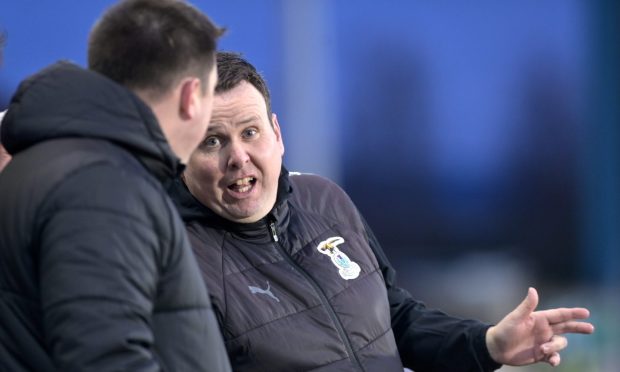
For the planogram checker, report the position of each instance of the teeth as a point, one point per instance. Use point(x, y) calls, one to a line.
point(243, 181)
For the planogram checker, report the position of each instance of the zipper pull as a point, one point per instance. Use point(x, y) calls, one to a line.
point(274, 235)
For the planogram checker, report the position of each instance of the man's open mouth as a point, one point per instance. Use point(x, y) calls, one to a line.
point(242, 184)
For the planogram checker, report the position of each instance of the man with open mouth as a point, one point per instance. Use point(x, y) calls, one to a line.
point(298, 280)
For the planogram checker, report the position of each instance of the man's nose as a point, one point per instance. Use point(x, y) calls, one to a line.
point(238, 156)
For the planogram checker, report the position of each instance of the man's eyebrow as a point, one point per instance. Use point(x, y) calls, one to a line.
point(248, 120)
point(213, 126)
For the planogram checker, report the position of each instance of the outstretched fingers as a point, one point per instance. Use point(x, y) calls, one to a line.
point(566, 320)
point(572, 327)
point(559, 315)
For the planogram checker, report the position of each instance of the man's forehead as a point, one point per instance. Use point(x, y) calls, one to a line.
point(242, 121)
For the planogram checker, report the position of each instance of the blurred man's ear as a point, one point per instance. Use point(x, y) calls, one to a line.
point(276, 129)
point(190, 98)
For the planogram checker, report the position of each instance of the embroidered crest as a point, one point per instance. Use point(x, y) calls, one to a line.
point(346, 268)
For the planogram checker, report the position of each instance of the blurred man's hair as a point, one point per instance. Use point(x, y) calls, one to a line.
point(232, 69)
point(150, 44)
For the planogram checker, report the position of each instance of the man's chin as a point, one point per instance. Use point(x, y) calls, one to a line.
point(242, 215)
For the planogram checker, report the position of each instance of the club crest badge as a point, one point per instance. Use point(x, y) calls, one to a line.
point(346, 268)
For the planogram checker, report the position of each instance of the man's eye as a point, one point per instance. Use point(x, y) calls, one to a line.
point(250, 132)
point(211, 142)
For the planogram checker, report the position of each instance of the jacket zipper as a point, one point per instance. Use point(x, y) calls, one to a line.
point(319, 291)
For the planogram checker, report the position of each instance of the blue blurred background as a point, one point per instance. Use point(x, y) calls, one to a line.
point(480, 139)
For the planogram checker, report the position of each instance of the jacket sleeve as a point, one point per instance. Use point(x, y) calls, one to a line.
point(428, 339)
point(98, 278)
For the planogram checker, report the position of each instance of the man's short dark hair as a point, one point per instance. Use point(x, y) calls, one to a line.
point(149, 44)
point(232, 69)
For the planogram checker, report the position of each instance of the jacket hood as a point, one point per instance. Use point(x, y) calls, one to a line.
point(67, 101)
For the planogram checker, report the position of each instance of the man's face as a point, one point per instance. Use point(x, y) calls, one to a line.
point(235, 169)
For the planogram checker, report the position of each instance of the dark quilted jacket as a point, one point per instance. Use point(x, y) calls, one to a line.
point(283, 304)
point(96, 273)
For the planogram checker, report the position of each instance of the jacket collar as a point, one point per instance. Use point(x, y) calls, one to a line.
point(192, 210)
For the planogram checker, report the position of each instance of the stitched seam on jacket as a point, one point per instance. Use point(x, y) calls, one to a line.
point(124, 302)
point(273, 321)
point(382, 334)
point(289, 315)
point(253, 267)
point(224, 286)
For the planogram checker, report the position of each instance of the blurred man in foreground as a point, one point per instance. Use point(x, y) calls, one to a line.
point(96, 273)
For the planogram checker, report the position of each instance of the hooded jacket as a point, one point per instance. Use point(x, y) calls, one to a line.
point(308, 287)
point(96, 273)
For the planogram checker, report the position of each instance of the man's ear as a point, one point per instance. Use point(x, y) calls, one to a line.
point(189, 104)
point(276, 130)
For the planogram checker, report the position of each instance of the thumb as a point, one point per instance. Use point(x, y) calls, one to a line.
point(528, 305)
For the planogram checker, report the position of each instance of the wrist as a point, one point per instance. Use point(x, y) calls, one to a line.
point(491, 343)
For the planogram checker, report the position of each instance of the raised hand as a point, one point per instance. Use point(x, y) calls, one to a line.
point(526, 336)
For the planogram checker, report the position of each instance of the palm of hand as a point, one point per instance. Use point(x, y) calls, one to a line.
point(522, 339)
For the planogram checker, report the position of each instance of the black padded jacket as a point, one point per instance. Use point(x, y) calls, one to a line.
point(309, 288)
point(96, 272)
